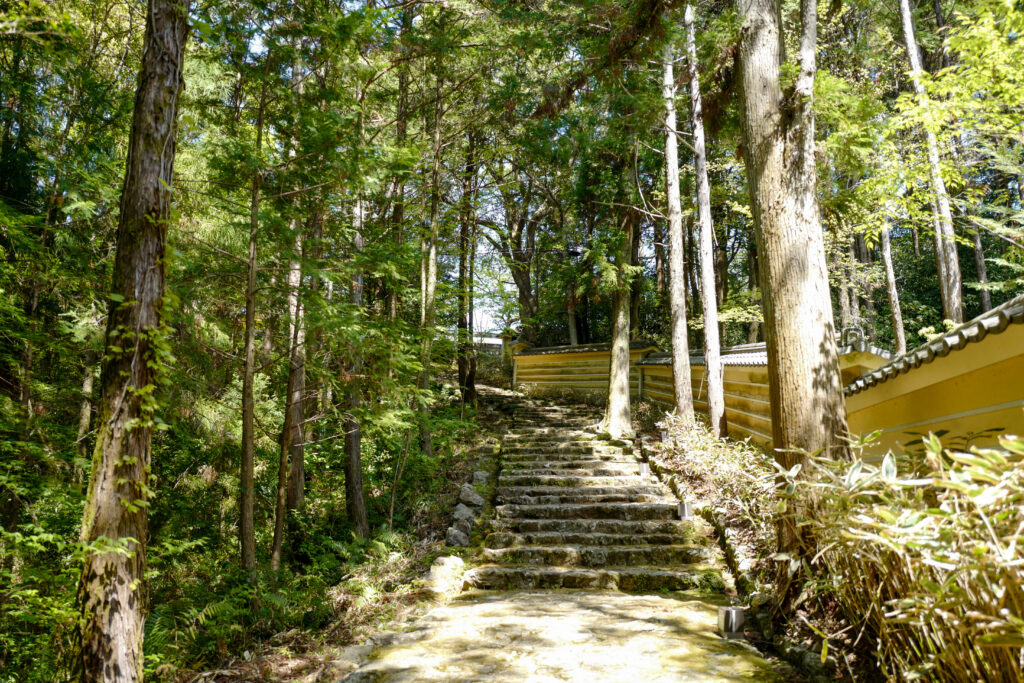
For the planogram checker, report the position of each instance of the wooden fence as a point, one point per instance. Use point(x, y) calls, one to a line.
point(969, 382)
point(585, 368)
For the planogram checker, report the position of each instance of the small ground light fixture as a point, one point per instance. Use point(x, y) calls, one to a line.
point(730, 622)
point(685, 510)
point(645, 469)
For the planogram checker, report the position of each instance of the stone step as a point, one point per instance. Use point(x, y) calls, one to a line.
point(557, 447)
point(638, 527)
point(570, 498)
point(599, 556)
point(595, 469)
point(557, 538)
point(624, 578)
point(625, 511)
point(578, 463)
point(569, 481)
point(509, 492)
point(547, 433)
point(514, 460)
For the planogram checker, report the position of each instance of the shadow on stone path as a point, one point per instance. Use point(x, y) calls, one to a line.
point(589, 637)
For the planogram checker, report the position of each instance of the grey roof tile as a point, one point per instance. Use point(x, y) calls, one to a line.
point(991, 322)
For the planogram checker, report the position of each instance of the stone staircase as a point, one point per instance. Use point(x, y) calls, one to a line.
point(575, 511)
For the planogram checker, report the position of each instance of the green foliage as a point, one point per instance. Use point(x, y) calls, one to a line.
point(921, 554)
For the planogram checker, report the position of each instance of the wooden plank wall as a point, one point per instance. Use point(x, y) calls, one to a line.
point(582, 371)
point(746, 386)
point(747, 409)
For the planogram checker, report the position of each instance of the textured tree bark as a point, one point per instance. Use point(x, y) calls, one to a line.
point(111, 591)
point(428, 272)
point(636, 284)
point(247, 480)
point(807, 406)
point(753, 277)
point(465, 339)
point(712, 350)
point(355, 497)
point(893, 292)
point(681, 383)
point(85, 411)
point(471, 394)
point(292, 432)
point(945, 241)
point(617, 420)
point(297, 380)
point(660, 275)
point(401, 128)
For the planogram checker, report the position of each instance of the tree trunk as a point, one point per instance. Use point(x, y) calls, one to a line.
point(247, 480)
point(111, 592)
point(712, 350)
point(636, 284)
point(660, 276)
point(617, 420)
point(945, 241)
point(570, 309)
point(807, 406)
point(984, 295)
point(753, 277)
point(296, 400)
point(292, 431)
point(401, 128)
point(465, 341)
point(428, 273)
point(894, 297)
point(85, 412)
point(355, 497)
point(864, 256)
point(682, 385)
point(471, 395)
point(297, 380)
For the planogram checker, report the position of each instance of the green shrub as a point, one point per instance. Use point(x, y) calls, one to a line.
point(922, 553)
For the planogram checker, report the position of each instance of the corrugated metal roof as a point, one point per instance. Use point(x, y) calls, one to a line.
point(992, 322)
point(634, 345)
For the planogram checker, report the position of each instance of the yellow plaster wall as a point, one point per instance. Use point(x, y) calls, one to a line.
point(968, 391)
point(976, 388)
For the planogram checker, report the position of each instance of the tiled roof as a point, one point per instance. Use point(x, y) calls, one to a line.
point(992, 322)
point(744, 354)
point(634, 345)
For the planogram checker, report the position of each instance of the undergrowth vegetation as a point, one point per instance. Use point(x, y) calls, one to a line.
point(204, 609)
point(915, 569)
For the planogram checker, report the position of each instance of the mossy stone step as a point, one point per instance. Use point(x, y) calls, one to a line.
point(508, 492)
point(588, 464)
point(600, 556)
point(572, 498)
point(625, 578)
point(508, 459)
point(624, 511)
point(554, 538)
point(568, 481)
point(597, 469)
point(599, 526)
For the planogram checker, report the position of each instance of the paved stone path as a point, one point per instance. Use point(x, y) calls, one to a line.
point(576, 512)
point(584, 637)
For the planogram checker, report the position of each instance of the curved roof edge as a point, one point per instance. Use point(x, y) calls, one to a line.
point(990, 322)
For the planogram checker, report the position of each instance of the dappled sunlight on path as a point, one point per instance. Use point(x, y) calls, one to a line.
point(588, 637)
